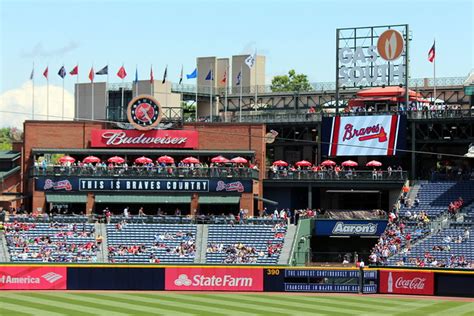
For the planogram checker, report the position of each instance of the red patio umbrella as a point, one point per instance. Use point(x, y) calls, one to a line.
point(190, 160)
point(66, 158)
point(328, 163)
point(350, 163)
point(91, 159)
point(143, 160)
point(280, 163)
point(166, 159)
point(220, 159)
point(239, 160)
point(116, 159)
point(374, 163)
point(303, 163)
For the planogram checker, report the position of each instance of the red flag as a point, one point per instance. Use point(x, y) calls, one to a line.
point(122, 73)
point(224, 80)
point(45, 73)
point(74, 71)
point(151, 75)
point(432, 53)
point(91, 74)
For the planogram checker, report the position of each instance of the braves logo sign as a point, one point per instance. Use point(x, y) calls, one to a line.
point(236, 186)
point(365, 133)
point(59, 185)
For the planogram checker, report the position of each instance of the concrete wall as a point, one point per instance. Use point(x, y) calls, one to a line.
point(250, 77)
point(83, 101)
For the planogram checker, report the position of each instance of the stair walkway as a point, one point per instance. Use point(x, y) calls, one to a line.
point(103, 251)
point(201, 243)
point(287, 245)
point(4, 254)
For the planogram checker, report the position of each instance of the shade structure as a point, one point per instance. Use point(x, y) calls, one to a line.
point(328, 163)
point(280, 163)
point(350, 163)
point(219, 159)
point(190, 160)
point(239, 160)
point(91, 159)
point(373, 163)
point(66, 198)
point(166, 159)
point(142, 199)
point(116, 159)
point(303, 163)
point(65, 159)
point(143, 160)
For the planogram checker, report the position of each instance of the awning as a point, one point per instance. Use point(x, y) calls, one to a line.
point(66, 198)
point(256, 197)
point(145, 199)
point(142, 152)
point(219, 199)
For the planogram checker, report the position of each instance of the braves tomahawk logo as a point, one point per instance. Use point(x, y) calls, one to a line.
point(365, 133)
point(229, 187)
point(59, 185)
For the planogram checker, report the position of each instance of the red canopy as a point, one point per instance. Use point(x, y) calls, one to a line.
point(143, 160)
point(350, 163)
point(91, 159)
point(116, 159)
point(391, 91)
point(303, 163)
point(65, 159)
point(219, 159)
point(239, 160)
point(166, 159)
point(190, 160)
point(373, 163)
point(280, 163)
point(328, 163)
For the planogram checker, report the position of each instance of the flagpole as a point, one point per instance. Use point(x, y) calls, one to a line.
point(225, 101)
point(63, 94)
point(256, 83)
point(33, 93)
point(136, 80)
point(434, 77)
point(240, 98)
point(92, 96)
point(151, 81)
point(196, 110)
point(166, 90)
point(77, 93)
point(47, 96)
point(121, 103)
point(210, 94)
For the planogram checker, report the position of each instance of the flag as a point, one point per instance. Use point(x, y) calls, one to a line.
point(136, 75)
point(45, 73)
point(250, 60)
point(181, 75)
point(165, 74)
point(432, 53)
point(62, 72)
point(152, 79)
point(91, 74)
point(103, 71)
point(239, 77)
point(193, 74)
point(224, 80)
point(209, 75)
point(32, 75)
point(122, 73)
point(74, 71)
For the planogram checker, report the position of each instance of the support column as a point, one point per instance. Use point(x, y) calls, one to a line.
point(90, 204)
point(310, 196)
point(413, 147)
point(194, 206)
point(319, 142)
point(246, 203)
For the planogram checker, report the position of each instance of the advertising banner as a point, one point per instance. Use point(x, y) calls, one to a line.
point(403, 282)
point(213, 279)
point(32, 278)
point(346, 274)
point(349, 227)
point(328, 288)
point(117, 138)
point(371, 135)
point(71, 184)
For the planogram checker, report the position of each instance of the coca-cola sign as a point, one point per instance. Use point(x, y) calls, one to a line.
point(117, 138)
point(406, 282)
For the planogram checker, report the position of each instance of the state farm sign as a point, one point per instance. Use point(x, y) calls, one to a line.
point(117, 138)
point(32, 278)
point(213, 279)
point(402, 282)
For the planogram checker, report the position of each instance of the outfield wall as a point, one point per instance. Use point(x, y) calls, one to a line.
point(235, 278)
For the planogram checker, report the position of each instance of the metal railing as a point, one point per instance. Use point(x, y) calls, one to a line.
point(333, 258)
point(145, 172)
point(330, 175)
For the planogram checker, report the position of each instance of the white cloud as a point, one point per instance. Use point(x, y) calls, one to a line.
point(16, 104)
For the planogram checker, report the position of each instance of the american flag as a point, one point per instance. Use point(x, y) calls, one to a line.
point(432, 53)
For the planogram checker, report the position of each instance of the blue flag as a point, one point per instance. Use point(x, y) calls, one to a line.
point(136, 75)
point(62, 72)
point(192, 75)
point(103, 71)
point(209, 75)
point(239, 77)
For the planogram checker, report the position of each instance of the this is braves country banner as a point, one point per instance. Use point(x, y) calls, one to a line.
point(372, 135)
point(33, 278)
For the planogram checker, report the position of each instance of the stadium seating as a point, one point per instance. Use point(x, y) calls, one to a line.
point(259, 237)
point(161, 250)
point(44, 242)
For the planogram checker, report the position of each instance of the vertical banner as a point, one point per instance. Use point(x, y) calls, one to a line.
point(32, 278)
point(406, 282)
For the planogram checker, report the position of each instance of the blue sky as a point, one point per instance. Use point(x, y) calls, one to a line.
point(292, 34)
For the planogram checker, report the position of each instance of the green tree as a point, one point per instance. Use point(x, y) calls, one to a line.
point(292, 82)
point(5, 139)
point(189, 110)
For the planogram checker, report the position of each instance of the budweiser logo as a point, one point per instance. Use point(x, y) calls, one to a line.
point(412, 284)
point(365, 133)
point(60, 185)
point(121, 138)
point(234, 186)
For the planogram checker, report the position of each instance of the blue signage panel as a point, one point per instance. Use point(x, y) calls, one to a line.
point(328, 274)
point(327, 288)
point(350, 227)
point(77, 184)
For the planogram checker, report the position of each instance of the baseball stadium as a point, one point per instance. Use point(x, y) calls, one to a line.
point(232, 197)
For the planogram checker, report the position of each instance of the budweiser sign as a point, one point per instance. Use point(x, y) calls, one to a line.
point(406, 282)
point(144, 139)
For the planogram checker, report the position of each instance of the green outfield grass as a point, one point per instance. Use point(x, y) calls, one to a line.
point(161, 303)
